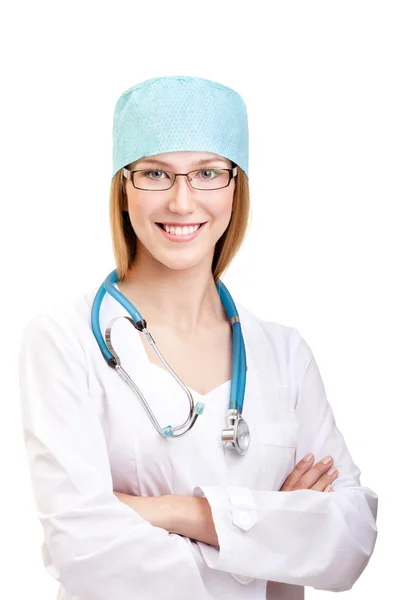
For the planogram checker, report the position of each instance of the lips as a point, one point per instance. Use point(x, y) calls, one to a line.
point(180, 224)
point(180, 238)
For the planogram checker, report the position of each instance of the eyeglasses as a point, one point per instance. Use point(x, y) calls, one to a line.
point(201, 179)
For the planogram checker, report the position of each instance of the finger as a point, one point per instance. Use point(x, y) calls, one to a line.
point(325, 480)
point(311, 477)
point(302, 467)
point(328, 488)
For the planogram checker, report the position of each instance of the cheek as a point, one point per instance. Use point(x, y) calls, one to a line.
point(222, 208)
point(221, 203)
point(140, 210)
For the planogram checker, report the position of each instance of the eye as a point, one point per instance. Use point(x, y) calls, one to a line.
point(158, 174)
point(209, 173)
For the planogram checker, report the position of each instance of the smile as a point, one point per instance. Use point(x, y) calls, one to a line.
point(182, 233)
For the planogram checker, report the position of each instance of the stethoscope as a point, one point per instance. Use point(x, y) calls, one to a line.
point(236, 435)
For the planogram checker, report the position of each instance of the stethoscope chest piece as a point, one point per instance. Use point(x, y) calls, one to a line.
point(237, 435)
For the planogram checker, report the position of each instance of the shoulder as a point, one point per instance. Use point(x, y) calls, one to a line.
point(63, 321)
point(286, 341)
point(276, 333)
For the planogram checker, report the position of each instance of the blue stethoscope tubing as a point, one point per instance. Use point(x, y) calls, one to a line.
point(239, 364)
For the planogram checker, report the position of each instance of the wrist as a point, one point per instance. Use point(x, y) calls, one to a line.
point(192, 518)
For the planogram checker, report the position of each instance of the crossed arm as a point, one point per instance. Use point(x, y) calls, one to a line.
point(191, 517)
point(188, 516)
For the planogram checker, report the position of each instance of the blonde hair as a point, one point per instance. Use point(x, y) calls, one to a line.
point(124, 237)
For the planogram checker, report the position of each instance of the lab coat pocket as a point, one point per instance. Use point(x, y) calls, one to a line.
point(278, 433)
point(277, 443)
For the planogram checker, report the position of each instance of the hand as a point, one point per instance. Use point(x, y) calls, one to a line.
point(305, 476)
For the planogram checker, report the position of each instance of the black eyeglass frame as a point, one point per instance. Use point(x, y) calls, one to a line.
point(130, 176)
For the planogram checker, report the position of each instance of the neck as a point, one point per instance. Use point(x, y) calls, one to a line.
point(185, 300)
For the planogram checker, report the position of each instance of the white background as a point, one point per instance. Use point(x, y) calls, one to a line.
point(321, 84)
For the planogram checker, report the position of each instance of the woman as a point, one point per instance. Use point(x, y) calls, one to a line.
point(128, 511)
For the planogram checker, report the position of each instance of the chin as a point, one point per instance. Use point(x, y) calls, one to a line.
point(182, 263)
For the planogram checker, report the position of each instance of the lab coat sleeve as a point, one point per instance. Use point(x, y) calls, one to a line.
point(304, 537)
point(96, 546)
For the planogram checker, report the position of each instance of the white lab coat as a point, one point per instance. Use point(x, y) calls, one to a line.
point(87, 434)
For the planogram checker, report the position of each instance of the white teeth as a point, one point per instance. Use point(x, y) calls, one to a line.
point(186, 230)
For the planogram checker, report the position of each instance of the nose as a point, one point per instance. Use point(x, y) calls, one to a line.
point(182, 196)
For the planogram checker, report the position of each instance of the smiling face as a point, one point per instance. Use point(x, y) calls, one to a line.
point(158, 217)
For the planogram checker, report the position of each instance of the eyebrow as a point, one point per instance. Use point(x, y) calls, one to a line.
point(147, 161)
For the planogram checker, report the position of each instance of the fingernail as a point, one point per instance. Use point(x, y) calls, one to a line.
point(328, 488)
point(308, 457)
point(332, 471)
point(327, 460)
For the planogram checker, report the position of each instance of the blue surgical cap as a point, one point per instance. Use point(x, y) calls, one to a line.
point(174, 113)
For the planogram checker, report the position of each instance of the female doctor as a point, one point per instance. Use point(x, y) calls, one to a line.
point(179, 446)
